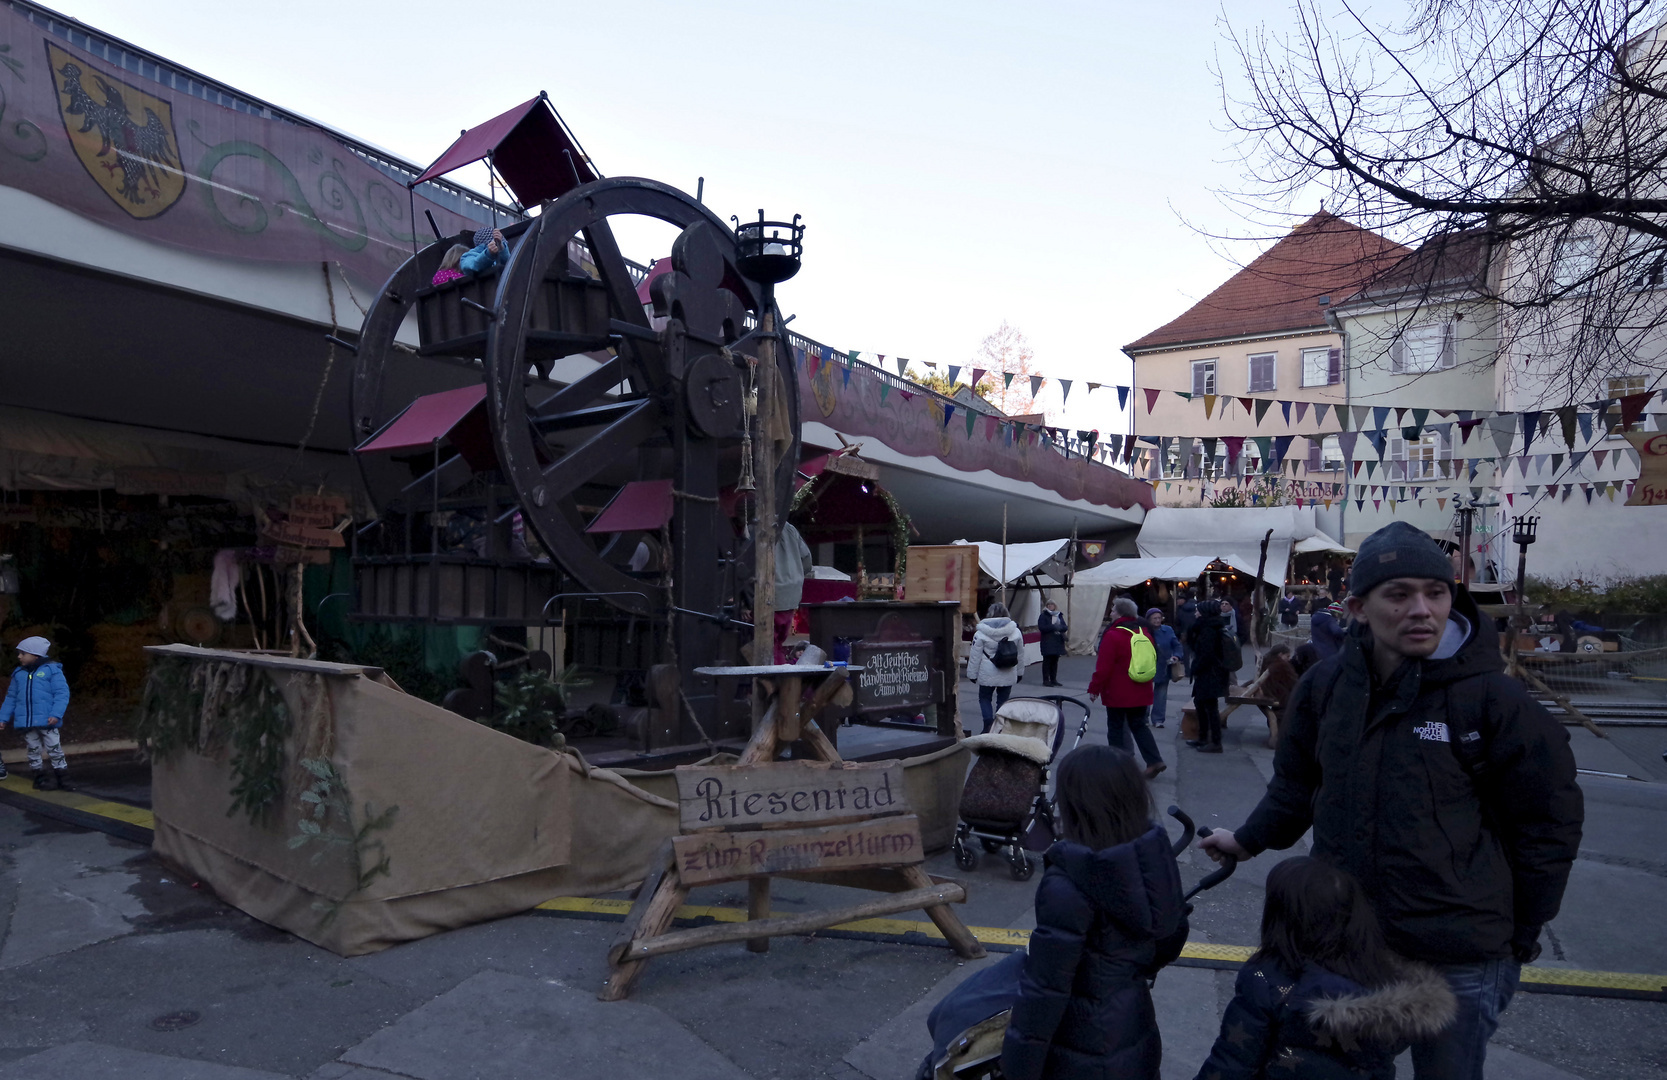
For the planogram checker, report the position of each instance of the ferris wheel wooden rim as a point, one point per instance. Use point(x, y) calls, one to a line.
point(544, 490)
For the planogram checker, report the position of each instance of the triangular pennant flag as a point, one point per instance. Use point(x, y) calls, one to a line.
point(1210, 448)
point(1262, 407)
point(1419, 416)
point(1576, 458)
point(954, 373)
point(1360, 505)
point(1370, 466)
point(1247, 404)
point(1378, 439)
point(1465, 428)
point(1347, 440)
point(1122, 397)
point(991, 425)
point(1539, 462)
point(1603, 414)
point(885, 388)
point(1285, 410)
point(1282, 447)
point(1319, 415)
point(978, 375)
point(1007, 381)
point(1586, 490)
point(1632, 407)
point(1064, 389)
point(1585, 419)
point(850, 357)
point(1598, 456)
point(1440, 503)
point(1361, 412)
point(1400, 416)
point(1116, 442)
point(1530, 421)
point(1380, 413)
point(972, 419)
point(1357, 466)
point(906, 395)
point(1522, 466)
point(902, 366)
point(1302, 411)
point(948, 411)
point(845, 372)
point(1036, 382)
point(1209, 405)
point(1503, 429)
point(1566, 416)
point(1151, 398)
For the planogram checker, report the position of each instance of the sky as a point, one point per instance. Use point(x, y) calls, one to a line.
point(1052, 165)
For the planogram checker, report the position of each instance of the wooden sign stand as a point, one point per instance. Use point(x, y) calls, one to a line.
point(743, 822)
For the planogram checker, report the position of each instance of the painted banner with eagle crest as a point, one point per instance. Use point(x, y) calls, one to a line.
point(111, 136)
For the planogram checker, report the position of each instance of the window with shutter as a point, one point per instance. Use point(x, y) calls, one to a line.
point(1398, 356)
point(1334, 366)
point(1203, 377)
point(1313, 455)
point(1262, 372)
point(1448, 350)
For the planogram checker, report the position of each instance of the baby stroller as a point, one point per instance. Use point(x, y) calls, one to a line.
point(967, 1028)
point(1006, 793)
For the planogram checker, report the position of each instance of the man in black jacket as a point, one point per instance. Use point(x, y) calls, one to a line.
point(1433, 778)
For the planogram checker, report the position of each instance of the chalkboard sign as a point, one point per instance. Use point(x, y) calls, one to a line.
point(896, 676)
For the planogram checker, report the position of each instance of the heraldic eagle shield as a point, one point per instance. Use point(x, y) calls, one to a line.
point(123, 136)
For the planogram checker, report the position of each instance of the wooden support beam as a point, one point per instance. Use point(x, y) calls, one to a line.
point(659, 908)
point(758, 909)
point(648, 946)
point(954, 930)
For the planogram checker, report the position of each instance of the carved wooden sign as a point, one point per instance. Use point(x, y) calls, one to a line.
point(895, 675)
point(786, 793)
point(707, 857)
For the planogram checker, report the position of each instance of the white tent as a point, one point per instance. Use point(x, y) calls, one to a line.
point(1312, 544)
point(1020, 559)
point(1172, 532)
point(1125, 573)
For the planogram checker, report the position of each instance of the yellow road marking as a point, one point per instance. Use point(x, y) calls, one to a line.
point(989, 935)
point(74, 800)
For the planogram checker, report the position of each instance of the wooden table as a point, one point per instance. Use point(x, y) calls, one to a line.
point(1268, 707)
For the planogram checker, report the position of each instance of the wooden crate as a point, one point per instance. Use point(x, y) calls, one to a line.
point(938, 572)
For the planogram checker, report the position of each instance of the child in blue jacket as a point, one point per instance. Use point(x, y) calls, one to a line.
point(35, 703)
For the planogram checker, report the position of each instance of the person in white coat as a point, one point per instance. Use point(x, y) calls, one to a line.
point(995, 680)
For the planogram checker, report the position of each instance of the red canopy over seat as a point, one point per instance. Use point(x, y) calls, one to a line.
point(530, 148)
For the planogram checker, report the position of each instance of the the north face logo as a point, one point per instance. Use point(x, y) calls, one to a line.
point(1434, 731)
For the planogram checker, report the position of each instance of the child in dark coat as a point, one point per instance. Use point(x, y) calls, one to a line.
point(1108, 916)
point(1324, 998)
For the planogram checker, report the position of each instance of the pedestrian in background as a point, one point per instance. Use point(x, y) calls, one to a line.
point(35, 703)
point(1209, 640)
point(995, 660)
point(793, 565)
point(1169, 649)
point(1185, 615)
point(1325, 630)
point(1126, 699)
point(1431, 776)
point(1053, 627)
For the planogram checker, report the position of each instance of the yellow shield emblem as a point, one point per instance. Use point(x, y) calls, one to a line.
point(123, 136)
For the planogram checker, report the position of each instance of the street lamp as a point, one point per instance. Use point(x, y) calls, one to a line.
point(1523, 533)
point(769, 252)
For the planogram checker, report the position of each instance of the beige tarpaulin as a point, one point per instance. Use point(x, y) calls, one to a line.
point(483, 824)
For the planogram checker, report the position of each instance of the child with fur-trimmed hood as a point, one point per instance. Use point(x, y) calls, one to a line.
point(1324, 998)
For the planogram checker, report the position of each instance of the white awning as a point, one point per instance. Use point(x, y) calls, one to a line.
point(1309, 545)
point(1126, 573)
point(1020, 559)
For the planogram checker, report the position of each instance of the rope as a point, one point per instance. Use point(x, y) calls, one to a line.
point(671, 631)
point(710, 499)
point(329, 365)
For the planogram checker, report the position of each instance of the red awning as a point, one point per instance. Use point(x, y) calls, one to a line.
point(530, 149)
point(430, 417)
point(641, 505)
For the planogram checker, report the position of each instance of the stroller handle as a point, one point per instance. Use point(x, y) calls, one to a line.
point(1187, 829)
point(1215, 877)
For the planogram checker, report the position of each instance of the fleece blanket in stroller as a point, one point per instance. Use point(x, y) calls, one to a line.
point(982, 996)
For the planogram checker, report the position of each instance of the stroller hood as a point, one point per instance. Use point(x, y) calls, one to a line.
point(1136, 885)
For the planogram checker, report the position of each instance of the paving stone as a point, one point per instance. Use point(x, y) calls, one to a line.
point(508, 1027)
point(93, 1061)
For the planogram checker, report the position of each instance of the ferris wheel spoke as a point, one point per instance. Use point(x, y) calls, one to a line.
point(576, 467)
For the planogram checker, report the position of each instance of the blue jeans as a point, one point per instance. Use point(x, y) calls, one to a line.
point(1484, 990)
point(1160, 703)
point(988, 707)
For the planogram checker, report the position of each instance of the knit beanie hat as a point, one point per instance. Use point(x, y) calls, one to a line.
point(1397, 551)
point(483, 236)
point(34, 646)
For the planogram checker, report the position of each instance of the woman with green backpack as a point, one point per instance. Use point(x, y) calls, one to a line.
point(1123, 674)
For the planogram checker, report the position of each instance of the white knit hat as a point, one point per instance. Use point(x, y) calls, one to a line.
point(35, 646)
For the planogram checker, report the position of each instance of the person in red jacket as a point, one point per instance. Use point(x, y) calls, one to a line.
point(1126, 701)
